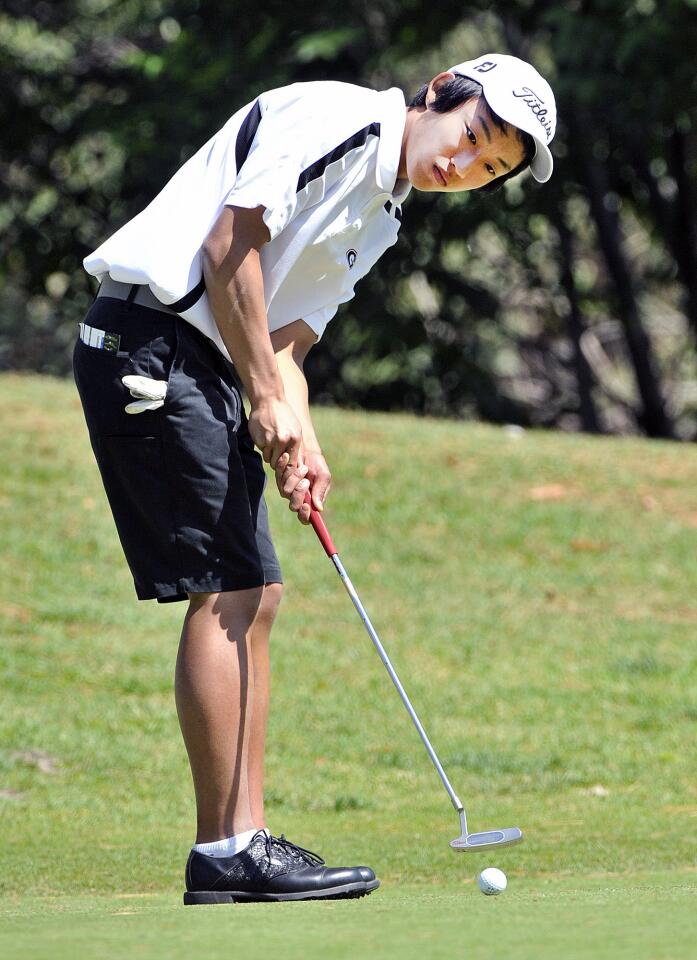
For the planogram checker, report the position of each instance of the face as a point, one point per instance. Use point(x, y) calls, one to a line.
point(459, 150)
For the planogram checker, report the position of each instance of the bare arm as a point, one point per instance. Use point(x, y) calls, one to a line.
point(235, 288)
point(291, 345)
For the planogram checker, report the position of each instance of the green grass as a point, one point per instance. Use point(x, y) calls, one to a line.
point(538, 598)
point(614, 917)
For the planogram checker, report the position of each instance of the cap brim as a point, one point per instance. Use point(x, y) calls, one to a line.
point(542, 163)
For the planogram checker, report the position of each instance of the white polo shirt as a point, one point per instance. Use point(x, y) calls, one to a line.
point(322, 158)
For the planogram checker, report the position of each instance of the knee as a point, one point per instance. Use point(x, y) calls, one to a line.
point(269, 605)
point(240, 609)
point(273, 593)
point(229, 607)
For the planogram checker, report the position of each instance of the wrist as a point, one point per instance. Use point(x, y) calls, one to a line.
point(262, 393)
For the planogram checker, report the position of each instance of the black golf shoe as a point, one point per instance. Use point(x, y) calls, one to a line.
point(272, 868)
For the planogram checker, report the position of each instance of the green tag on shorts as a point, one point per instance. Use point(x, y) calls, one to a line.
point(112, 342)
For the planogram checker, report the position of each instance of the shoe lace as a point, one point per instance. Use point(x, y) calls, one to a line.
point(293, 850)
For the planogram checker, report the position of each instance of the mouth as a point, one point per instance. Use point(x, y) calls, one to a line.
point(438, 176)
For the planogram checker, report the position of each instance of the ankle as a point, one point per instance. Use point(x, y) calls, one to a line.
point(210, 834)
point(227, 846)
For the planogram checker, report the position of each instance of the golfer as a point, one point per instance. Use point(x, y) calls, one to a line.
point(224, 282)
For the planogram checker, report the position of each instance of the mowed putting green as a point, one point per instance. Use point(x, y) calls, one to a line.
point(626, 919)
point(537, 595)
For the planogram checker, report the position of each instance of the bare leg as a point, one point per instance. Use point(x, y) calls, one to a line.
point(257, 736)
point(213, 691)
point(222, 696)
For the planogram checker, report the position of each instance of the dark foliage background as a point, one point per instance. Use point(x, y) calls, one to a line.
point(572, 304)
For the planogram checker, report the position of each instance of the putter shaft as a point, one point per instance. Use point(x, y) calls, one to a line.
point(346, 580)
point(466, 841)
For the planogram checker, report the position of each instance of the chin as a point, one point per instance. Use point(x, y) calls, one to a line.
point(418, 177)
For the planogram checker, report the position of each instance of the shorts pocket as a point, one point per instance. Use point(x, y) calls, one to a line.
point(99, 375)
point(154, 356)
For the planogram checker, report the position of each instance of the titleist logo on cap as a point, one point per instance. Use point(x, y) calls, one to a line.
point(537, 106)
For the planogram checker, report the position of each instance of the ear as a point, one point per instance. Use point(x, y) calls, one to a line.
point(435, 85)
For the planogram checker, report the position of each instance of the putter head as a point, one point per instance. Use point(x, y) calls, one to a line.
point(468, 842)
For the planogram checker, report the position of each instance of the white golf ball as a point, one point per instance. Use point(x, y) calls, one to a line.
point(492, 881)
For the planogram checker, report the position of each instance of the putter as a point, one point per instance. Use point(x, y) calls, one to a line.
point(467, 841)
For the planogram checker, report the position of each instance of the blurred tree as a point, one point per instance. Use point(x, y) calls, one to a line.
point(568, 304)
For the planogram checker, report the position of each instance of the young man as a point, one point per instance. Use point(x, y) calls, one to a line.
point(243, 259)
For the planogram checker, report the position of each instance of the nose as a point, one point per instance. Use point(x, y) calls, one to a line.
point(462, 161)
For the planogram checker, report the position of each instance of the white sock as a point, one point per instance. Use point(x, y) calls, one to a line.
point(228, 846)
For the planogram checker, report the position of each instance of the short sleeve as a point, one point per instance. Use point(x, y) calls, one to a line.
point(320, 318)
point(255, 188)
point(270, 172)
point(308, 137)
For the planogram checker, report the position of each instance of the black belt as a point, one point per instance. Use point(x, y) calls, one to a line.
point(133, 293)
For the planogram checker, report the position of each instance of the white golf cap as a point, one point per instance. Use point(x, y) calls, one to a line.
point(521, 96)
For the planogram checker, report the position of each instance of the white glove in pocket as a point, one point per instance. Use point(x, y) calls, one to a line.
point(150, 393)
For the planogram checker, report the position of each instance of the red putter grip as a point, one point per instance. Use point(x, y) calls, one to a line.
point(320, 529)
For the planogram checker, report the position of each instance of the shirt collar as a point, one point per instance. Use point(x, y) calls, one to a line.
point(393, 117)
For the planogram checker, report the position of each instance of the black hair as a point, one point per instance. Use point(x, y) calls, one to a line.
point(452, 94)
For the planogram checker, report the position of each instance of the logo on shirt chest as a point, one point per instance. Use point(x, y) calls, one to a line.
point(351, 256)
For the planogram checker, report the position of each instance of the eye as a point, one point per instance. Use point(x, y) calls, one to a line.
point(490, 170)
point(471, 134)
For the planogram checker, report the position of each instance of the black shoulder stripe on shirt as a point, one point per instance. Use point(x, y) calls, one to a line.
point(245, 135)
point(316, 170)
point(243, 144)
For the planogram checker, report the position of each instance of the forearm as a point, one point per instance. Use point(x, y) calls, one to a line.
point(296, 392)
point(292, 344)
point(235, 289)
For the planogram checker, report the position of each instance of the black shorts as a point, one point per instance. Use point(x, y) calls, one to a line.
point(184, 482)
